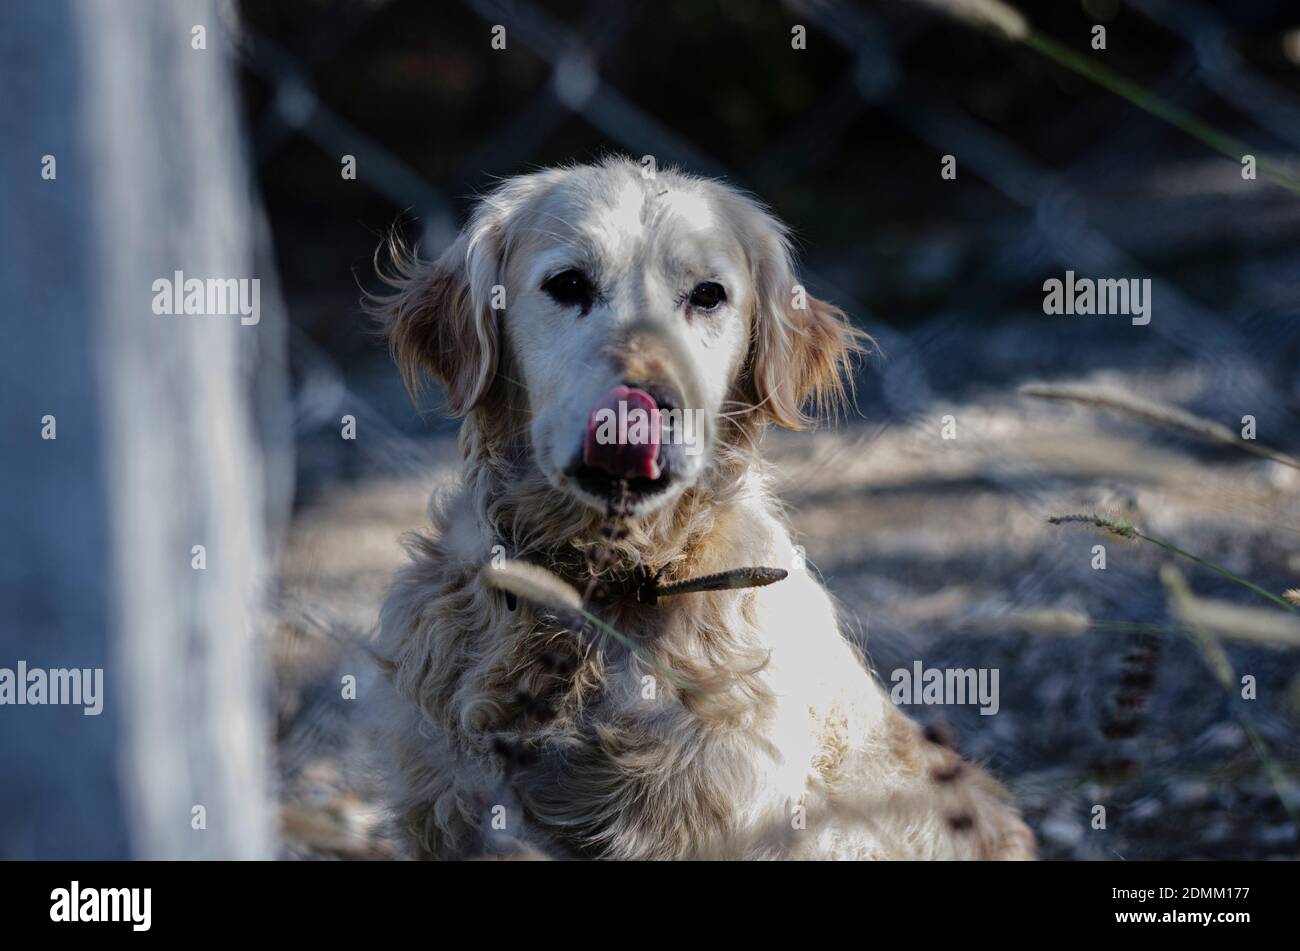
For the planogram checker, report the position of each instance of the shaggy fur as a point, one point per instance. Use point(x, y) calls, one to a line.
point(744, 724)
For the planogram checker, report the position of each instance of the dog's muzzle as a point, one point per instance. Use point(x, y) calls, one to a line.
point(627, 453)
point(623, 435)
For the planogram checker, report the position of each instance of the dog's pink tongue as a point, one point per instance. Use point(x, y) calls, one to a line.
point(623, 434)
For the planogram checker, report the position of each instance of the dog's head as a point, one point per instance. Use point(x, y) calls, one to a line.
point(637, 312)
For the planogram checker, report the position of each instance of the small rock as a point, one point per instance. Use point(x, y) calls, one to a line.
point(1217, 831)
point(1223, 738)
point(1283, 834)
point(1053, 690)
point(1061, 832)
point(1145, 810)
point(1189, 793)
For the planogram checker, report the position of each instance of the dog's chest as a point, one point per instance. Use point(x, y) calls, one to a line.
point(638, 776)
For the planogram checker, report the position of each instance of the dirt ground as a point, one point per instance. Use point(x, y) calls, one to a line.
point(938, 550)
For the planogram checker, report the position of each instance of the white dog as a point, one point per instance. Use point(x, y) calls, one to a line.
point(734, 722)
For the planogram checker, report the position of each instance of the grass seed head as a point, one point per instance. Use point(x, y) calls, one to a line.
point(534, 584)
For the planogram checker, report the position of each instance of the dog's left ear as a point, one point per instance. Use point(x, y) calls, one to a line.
point(801, 348)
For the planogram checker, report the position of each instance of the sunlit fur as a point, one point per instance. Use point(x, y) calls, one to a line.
point(760, 732)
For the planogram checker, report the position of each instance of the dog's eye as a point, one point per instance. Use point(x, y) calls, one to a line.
point(571, 289)
point(707, 296)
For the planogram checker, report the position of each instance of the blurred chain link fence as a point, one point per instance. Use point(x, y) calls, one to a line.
point(1053, 229)
point(947, 276)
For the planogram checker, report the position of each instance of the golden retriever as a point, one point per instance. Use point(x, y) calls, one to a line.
point(723, 723)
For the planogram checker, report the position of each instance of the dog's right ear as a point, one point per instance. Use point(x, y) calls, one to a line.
point(439, 320)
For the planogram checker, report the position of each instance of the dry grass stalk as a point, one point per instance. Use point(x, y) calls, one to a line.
point(1128, 530)
point(1184, 606)
point(1047, 621)
point(1113, 525)
point(1159, 414)
point(985, 15)
point(1259, 625)
point(537, 586)
point(534, 584)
